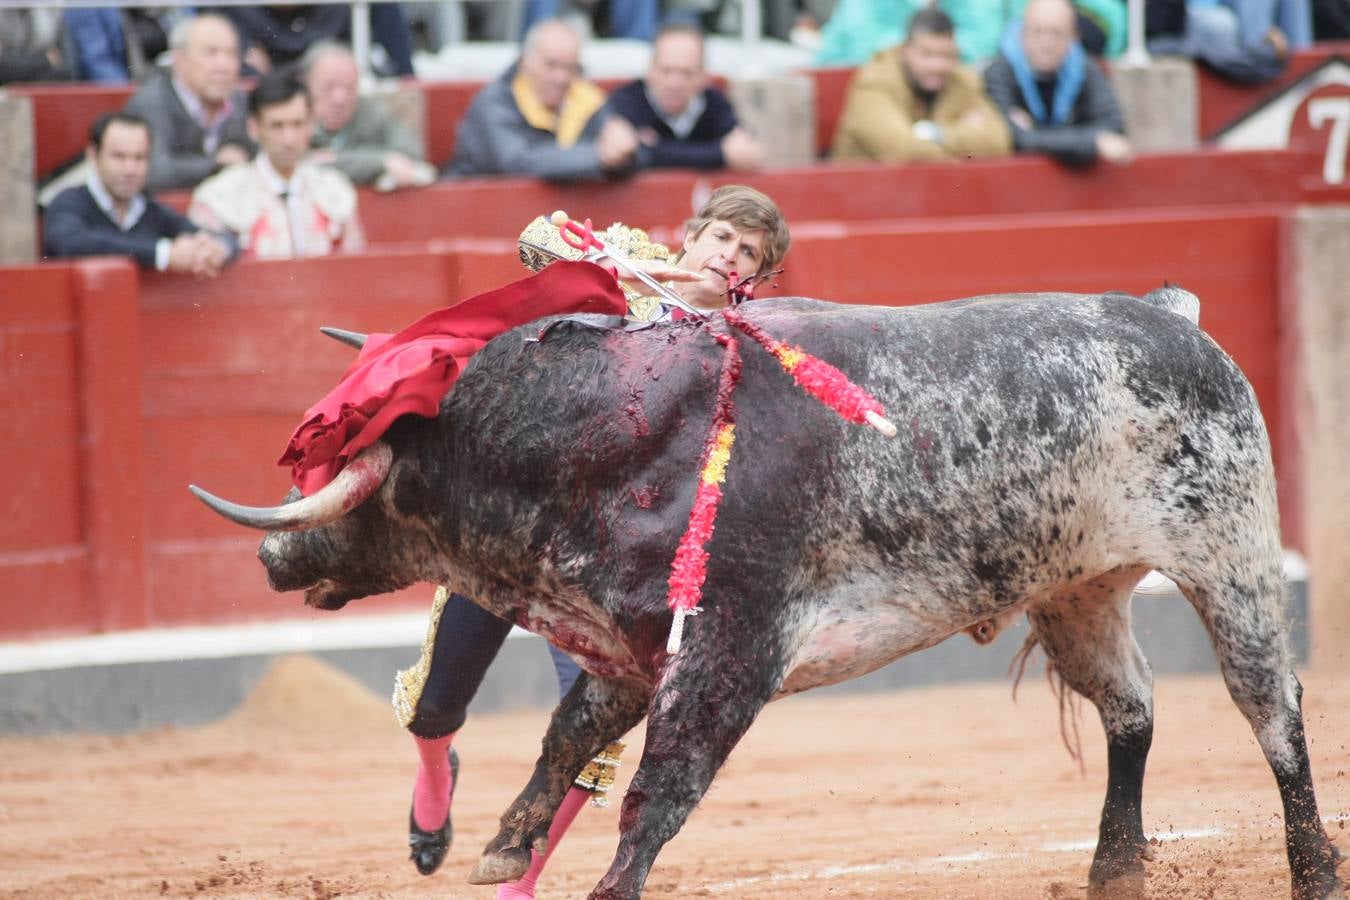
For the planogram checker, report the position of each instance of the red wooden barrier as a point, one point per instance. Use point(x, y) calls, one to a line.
point(1223, 102)
point(112, 479)
point(857, 193)
point(42, 550)
point(230, 366)
point(62, 116)
point(831, 89)
point(135, 397)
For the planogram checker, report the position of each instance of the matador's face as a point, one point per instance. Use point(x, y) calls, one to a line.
point(715, 253)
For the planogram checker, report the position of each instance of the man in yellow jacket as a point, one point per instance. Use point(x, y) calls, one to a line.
point(914, 103)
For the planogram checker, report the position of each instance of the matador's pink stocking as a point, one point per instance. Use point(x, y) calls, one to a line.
point(431, 793)
point(524, 888)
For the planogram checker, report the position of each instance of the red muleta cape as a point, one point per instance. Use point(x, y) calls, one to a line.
point(411, 371)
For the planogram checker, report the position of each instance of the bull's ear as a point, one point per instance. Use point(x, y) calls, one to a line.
point(411, 494)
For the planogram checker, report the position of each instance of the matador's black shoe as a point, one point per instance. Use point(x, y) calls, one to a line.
point(430, 847)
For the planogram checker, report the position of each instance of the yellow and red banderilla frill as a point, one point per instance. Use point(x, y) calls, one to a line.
point(818, 378)
point(690, 566)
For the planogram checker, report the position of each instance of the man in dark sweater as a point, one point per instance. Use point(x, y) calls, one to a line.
point(111, 215)
point(682, 121)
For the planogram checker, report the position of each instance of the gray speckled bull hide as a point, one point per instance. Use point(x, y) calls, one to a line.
point(1053, 448)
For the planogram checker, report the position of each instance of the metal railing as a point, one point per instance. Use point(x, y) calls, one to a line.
point(752, 20)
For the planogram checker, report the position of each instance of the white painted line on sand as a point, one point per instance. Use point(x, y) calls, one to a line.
point(978, 856)
point(934, 862)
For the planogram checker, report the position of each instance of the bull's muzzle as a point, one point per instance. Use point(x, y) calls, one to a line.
point(354, 485)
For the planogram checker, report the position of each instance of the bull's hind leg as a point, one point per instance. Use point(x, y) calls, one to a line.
point(1243, 615)
point(594, 713)
point(1085, 632)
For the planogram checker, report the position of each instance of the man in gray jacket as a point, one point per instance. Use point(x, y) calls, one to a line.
point(543, 119)
point(1055, 98)
point(197, 113)
point(357, 134)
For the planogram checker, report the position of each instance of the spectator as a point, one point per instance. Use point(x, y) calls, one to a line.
point(1331, 20)
point(355, 133)
point(277, 35)
point(634, 19)
point(281, 205)
point(681, 120)
point(859, 28)
point(541, 118)
point(116, 46)
point(1248, 41)
point(30, 46)
point(195, 109)
point(914, 102)
point(1057, 101)
point(112, 215)
point(98, 46)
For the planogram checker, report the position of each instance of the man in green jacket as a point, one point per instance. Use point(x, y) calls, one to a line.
point(357, 134)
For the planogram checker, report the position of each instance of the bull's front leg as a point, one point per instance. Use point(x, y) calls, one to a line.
point(708, 696)
point(595, 712)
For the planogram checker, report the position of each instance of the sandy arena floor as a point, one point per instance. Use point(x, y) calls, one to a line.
point(941, 793)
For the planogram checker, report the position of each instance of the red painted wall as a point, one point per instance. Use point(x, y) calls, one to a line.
point(866, 192)
point(42, 553)
point(1223, 102)
point(62, 116)
point(125, 388)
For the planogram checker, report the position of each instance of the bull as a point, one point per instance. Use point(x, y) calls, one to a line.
point(1053, 449)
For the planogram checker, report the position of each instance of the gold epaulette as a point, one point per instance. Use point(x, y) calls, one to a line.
point(598, 776)
point(632, 242)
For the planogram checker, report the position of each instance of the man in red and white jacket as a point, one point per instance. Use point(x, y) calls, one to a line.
point(281, 205)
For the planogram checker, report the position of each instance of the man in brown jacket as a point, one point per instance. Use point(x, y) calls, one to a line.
point(914, 103)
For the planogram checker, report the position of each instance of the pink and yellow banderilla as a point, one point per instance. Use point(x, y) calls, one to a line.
point(819, 379)
point(690, 566)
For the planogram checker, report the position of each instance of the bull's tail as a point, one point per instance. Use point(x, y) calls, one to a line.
point(1070, 711)
point(1175, 299)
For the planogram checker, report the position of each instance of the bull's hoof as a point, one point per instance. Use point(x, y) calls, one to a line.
point(1129, 886)
point(1316, 879)
point(1324, 886)
point(500, 866)
point(1330, 891)
point(1119, 876)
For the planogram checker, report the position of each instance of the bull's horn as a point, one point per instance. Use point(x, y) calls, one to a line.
point(350, 338)
point(353, 486)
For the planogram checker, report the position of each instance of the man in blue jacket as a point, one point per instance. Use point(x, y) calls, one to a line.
point(111, 214)
point(543, 119)
point(681, 120)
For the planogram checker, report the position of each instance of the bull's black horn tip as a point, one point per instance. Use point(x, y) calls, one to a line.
point(350, 338)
